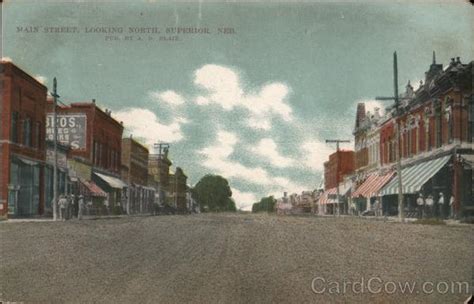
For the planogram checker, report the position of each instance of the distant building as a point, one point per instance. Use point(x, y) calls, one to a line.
point(340, 164)
point(22, 142)
point(178, 190)
point(159, 171)
point(135, 173)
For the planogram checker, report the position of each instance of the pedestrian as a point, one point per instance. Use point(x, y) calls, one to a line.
point(74, 206)
point(62, 202)
point(451, 206)
point(420, 202)
point(106, 204)
point(441, 205)
point(80, 207)
point(429, 206)
point(377, 207)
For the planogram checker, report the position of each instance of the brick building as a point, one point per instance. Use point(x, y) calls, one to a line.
point(135, 174)
point(159, 171)
point(178, 190)
point(436, 141)
point(339, 165)
point(22, 142)
point(95, 140)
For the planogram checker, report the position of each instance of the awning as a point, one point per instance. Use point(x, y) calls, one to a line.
point(27, 161)
point(113, 182)
point(372, 185)
point(329, 196)
point(324, 198)
point(413, 178)
point(468, 158)
point(93, 189)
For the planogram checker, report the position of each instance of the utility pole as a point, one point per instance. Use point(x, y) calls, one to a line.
point(396, 98)
point(337, 141)
point(161, 147)
point(55, 151)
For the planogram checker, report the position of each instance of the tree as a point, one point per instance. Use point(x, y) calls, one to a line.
point(266, 204)
point(213, 193)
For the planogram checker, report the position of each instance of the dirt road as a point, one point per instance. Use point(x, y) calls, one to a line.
point(229, 258)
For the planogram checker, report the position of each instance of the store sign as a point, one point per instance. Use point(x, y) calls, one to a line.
point(71, 129)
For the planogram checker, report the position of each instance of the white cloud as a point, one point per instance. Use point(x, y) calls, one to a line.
point(169, 97)
point(217, 159)
point(268, 150)
point(144, 124)
point(316, 153)
point(41, 79)
point(243, 200)
point(224, 88)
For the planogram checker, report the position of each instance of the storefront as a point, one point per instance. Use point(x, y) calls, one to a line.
point(430, 178)
point(116, 191)
point(364, 196)
point(24, 188)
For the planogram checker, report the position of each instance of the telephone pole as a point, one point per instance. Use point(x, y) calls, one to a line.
point(396, 98)
point(55, 151)
point(161, 147)
point(337, 141)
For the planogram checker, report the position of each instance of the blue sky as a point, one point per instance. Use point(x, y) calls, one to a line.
point(254, 106)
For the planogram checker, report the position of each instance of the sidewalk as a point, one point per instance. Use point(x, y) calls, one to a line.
point(84, 218)
point(394, 219)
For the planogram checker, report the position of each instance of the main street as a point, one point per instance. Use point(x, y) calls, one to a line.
point(230, 258)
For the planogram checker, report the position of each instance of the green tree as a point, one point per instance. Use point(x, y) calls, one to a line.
point(213, 193)
point(266, 204)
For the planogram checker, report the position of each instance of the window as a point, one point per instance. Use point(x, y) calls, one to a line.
point(27, 132)
point(438, 127)
point(471, 120)
point(14, 127)
point(38, 143)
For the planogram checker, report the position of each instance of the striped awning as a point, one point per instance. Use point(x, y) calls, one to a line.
point(344, 188)
point(92, 189)
point(414, 177)
point(324, 198)
point(372, 185)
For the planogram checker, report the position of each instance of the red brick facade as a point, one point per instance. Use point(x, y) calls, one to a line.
point(340, 164)
point(22, 134)
point(103, 137)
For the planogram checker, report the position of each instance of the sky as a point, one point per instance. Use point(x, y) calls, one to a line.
point(253, 102)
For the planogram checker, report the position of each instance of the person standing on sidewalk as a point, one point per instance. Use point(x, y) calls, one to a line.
point(441, 205)
point(80, 207)
point(420, 202)
point(429, 206)
point(62, 203)
point(451, 207)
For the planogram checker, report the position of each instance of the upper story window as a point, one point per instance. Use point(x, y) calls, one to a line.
point(14, 127)
point(27, 132)
point(38, 138)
